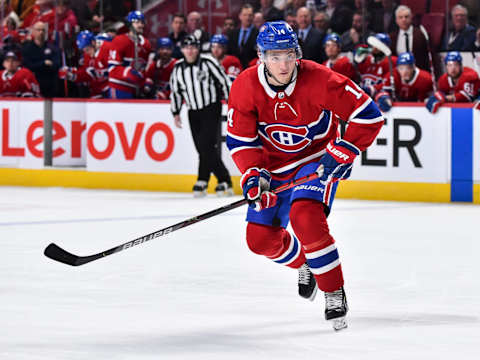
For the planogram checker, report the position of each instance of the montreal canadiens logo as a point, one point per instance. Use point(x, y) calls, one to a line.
point(288, 138)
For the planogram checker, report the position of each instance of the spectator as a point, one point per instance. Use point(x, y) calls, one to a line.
point(458, 84)
point(83, 13)
point(178, 33)
point(113, 11)
point(339, 14)
point(410, 83)
point(42, 59)
point(321, 22)
point(291, 20)
point(204, 111)
point(270, 12)
point(258, 20)
point(10, 34)
point(409, 38)
point(477, 40)
point(355, 36)
point(228, 25)
point(340, 64)
point(311, 40)
point(462, 35)
point(17, 81)
point(231, 64)
point(159, 70)
point(22, 7)
point(67, 21)
point(242, 41)
point(382, 14)
point(195, 27)
point(43, 12)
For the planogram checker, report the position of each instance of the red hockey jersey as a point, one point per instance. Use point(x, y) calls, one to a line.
point(466, 88)
point(232, 66)
point(281, 130)
point(20, 84)
point(371, 72)
point(343, 66)
point(417, 89)
point(120, 61)
point(160, 75)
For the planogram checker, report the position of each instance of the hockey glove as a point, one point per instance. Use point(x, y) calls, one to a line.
point(256, 185)
point(338, 161)
point(384, 101)
point(66, 73)
point(434, 101)
point(133, 76)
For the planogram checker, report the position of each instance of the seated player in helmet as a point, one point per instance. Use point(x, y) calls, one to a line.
point(231, 64)
point(340, 64)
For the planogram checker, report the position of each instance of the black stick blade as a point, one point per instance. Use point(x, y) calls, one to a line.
point(56, 253)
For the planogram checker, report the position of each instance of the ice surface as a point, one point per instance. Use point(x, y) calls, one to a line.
point(412, 280)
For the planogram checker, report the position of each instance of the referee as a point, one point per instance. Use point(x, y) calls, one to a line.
point(201, 82)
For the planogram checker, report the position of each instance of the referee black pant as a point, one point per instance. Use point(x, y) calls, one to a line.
point(205, 126)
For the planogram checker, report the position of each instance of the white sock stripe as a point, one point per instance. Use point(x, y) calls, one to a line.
point(326, 268)
point(320, 252)
point(289, 250)
point(295, 257)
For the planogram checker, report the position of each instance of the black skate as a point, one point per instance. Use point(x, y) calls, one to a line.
point(307, 286)
point(336, 308)
point(224, 189)
point(200, 189)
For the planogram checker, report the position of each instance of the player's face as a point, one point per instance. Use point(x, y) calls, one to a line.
point(332, 49)
point(191, 53)
point(139, 26)
point(10, 64)
point(90, 50)
point(164, 53)
point(281, 64)
point(454, 69)
point(218, 51)
point(406, 72)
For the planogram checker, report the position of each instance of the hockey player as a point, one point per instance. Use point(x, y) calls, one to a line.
point(372, 64)
point(281, 125)
point(159, 70)
point(231, 64)
point(340, 64)
point(458, 84)
point(410, 83)
point(16, 81)
point(128, 58)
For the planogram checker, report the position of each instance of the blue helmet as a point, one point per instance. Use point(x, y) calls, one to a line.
point(219, 39)
point(164, 42)
point(103, 37)
point(384, 38)
point(135, 16)
point(277, 35)
point(453, 56)
point(333, 37)
point(84, 39)
point(406, 58)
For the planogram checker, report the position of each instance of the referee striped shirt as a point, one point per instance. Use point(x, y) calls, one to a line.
point(200, 84)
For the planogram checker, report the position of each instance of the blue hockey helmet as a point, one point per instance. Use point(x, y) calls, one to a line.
point(333, 37)
point(103, 37)
point(164, 42)
point(453, 56)
point(135, 16)
point(277, 35)
point(84, 39)
point(384, 38)
point(406, 58)
point(219, 39)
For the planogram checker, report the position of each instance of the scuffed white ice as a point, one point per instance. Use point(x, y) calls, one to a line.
point(411, 269)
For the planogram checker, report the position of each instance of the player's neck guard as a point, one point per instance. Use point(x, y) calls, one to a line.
point(270, 92)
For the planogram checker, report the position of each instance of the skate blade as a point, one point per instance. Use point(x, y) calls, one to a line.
point(312, 297)
point(199, 194)
point(339, 323)
point(225, 193)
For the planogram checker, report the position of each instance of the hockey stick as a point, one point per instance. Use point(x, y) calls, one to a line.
point(56, 253)
point(376, 43)
point(430, 58)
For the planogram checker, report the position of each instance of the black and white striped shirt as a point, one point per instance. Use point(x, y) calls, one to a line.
point(200, 84)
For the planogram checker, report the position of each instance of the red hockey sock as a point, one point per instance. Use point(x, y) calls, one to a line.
point(276, 244)
point(310, 225)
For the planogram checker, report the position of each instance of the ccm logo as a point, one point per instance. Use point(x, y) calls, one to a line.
point(337, 152)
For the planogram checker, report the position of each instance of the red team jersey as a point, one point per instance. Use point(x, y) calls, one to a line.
point(371, 72)
point(281, 130)
point(232, 66)
point(466, 87)
point(93, 71)
point(342, 66)
point(121, 56)
point(417, 89)
point(160, 75)
point(22, 83)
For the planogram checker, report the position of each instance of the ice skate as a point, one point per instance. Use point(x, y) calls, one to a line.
point(336, 308)
point(200, 189)
point(224, 189)
point(307, 286)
